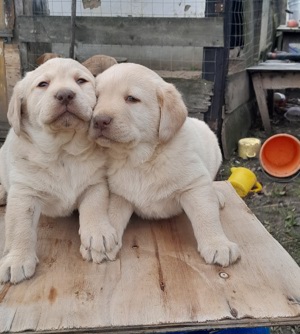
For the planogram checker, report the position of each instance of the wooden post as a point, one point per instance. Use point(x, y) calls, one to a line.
point(6, 26)
point(3, 86)
point(261, 101)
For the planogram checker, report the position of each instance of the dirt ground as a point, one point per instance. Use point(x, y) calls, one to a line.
point(278, 205)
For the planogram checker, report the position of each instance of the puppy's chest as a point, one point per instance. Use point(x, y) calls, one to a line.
point(65, 178)
point(140, 185)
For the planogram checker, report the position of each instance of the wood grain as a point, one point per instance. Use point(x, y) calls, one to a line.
point(3, 84)
point(12, 66)
point(261, 101)
point(159, 281)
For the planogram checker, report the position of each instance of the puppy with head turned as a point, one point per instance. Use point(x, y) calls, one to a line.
point(160, 162)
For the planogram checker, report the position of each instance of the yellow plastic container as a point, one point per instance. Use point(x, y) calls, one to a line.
point(249, 147)
point(244, 181)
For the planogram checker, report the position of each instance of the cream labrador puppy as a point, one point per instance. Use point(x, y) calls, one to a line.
point(48, 166)
point(160, 161)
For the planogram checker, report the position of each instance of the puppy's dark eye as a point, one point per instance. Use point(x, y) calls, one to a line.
point(43, 84)
point(81, 81)
point(132, 99)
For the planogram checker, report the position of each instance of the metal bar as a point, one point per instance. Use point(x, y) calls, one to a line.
point(73, 18)
point(216, 69)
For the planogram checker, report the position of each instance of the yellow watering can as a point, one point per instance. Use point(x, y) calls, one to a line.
point(244, 181)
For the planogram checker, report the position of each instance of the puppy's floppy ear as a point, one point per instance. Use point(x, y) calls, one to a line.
point(99, 63)
point(173, 112)
point(15, 108)
point(46, 56)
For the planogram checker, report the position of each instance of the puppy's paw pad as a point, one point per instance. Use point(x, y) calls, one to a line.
point(220, 252)
point(15, 269)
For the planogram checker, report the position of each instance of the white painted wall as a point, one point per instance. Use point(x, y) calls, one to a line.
point(136, 8)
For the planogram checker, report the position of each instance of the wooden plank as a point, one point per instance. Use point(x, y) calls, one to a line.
point(265, 17)
point(196, 93)
point(3, 85)
point(235, 126)
point(123, 30)
point(4, 128)
point(280, 80)
point(272, 66)
point(5, 30)
point(13, 75)
point(158, 282)
point(285, 28)
point(19, 7)
point(7, 17)
point(237, 90)
point(13, 66)
point(261, 101)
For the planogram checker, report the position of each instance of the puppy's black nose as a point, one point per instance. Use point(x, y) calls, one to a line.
point(101, 121)
point(64, 96)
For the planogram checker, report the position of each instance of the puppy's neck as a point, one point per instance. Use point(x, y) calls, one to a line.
point(53, 144)
point(79, 145)
point(135, 155)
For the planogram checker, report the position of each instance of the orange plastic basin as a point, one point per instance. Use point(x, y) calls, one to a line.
point(280, 155)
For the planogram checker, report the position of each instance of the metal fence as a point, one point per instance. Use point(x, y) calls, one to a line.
point(251, 29)
point(176, 56)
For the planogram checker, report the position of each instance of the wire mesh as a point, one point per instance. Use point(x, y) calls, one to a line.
point(251, 29)
point(245, 28)
point(132, 8)
point(157, 57)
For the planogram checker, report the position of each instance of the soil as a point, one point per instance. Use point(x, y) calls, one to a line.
point(278, 205)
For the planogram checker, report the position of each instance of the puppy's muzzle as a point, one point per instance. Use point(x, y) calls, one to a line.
point(102, 122)
point(65, 96)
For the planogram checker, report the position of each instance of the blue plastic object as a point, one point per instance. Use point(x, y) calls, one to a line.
point(256, 330)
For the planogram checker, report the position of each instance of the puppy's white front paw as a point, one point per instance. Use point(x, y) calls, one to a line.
point(112, 255)
point(220, 251)
point(98, 242)
point(15, 267)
